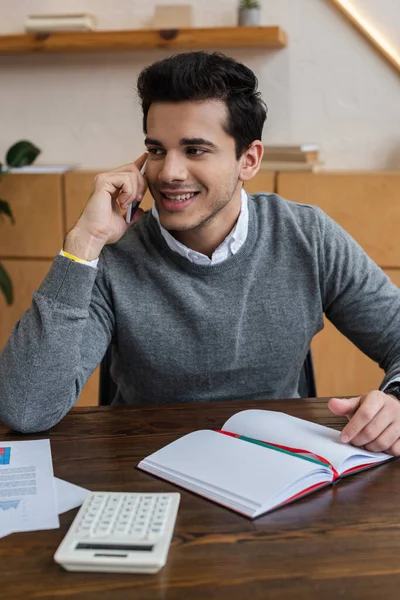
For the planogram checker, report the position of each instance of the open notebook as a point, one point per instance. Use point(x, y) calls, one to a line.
point(259, 460)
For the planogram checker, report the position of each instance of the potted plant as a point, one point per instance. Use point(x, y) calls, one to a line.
point(249, 12)
point(21, 154)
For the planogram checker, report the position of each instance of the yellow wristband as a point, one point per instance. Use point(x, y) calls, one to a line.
point(75, 258)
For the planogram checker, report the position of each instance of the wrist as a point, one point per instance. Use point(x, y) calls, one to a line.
point(83, 245)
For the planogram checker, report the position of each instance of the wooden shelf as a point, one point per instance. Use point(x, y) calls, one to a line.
point(144, 39)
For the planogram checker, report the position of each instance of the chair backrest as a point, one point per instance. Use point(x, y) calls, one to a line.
point(307, 384)
point(108, 388)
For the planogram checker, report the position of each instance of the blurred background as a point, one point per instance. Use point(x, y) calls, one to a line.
point(330, 78)
point(327, 86)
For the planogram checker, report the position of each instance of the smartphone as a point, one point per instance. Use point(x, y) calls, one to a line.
point(130, 211)
point(132, 208)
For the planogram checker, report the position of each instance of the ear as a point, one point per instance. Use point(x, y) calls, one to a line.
point(250, 161)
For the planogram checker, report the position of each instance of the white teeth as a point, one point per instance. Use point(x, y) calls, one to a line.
point(180, 197)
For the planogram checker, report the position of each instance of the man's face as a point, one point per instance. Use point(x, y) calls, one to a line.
point(192, 171)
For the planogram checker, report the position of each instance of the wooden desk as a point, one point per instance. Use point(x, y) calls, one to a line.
point(343, 541)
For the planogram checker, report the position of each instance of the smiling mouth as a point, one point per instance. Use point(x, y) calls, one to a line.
point(179, 197)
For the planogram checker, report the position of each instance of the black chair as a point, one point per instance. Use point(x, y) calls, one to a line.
point(307, 384)
point(108, 388)
point(107, 385)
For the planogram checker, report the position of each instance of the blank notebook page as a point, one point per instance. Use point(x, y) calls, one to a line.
point(227, 464)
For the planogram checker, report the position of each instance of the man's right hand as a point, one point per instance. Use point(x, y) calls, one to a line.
point(102, 221)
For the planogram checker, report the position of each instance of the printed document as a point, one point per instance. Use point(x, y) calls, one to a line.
point(28, 499)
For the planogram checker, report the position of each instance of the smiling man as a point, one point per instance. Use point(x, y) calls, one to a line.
point(213, 294)
point(194, 180)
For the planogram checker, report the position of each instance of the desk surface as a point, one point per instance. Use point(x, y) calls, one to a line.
point(343, 541)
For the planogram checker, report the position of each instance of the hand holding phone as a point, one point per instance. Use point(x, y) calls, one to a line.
point(132, 208)
point(130, 211)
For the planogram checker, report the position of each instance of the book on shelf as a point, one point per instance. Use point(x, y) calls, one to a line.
point(301, 157)
point(259, 460)
point(291, 148)
point(302, 153)
point(173, 16)
point(272, 165)
point(67, 22)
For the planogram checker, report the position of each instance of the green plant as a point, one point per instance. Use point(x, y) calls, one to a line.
point(21, 154)
point(248, 4)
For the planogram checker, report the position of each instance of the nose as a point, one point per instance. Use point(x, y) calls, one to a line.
point(173, 169)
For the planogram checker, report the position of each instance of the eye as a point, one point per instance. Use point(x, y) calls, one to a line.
point(196, 151)
point(155, 151)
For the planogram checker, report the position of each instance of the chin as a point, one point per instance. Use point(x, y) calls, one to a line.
point(171, 223)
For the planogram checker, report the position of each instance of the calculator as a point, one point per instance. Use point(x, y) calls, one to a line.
point(120, 533)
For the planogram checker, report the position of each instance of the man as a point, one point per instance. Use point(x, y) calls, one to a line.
point(212, 294)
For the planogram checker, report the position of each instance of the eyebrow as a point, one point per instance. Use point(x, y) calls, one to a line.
point(182, 142)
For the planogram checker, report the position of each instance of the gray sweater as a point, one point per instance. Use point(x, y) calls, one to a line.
point(185, 332)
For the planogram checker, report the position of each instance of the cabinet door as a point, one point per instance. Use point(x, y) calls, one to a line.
point(36, 202)
point(341, 369)
point(367, 206)
point(27, 276)
point(264, 181)
point(364, 204)
point(78, 188)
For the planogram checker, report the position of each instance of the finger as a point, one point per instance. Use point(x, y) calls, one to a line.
point(113, 183)
point(142, 187)
point(138, 186)
point(141, 161)
point(395, 448)
point(374, 428)
point(344, 406)
point(128, 192)
point(370, 405)
point(386, 440)
point(133, 166)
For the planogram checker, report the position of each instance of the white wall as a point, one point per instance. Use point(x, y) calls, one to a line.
point(328, 86)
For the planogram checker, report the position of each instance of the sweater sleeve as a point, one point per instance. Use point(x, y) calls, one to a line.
point(55, 346)
point(359, 298)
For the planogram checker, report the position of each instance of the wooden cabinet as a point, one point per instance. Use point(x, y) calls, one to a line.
point(341, 368)
point(36, 202)
point(264, 181)
point(26, 276)
point(367, 206)
point(28, 248)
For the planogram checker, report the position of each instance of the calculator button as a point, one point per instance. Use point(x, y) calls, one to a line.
point(121, 529)
point(83, 530)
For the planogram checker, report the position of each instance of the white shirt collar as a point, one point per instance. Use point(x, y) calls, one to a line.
point(231, 244)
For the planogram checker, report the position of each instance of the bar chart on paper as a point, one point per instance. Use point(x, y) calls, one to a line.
point(5, 453)
point(8, 504)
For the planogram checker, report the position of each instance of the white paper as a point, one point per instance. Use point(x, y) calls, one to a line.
point(27, 488)
point(69, 496)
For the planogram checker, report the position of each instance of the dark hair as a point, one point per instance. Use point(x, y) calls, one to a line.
point(208, 76)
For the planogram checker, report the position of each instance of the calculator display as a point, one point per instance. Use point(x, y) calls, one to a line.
point(126, 547)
